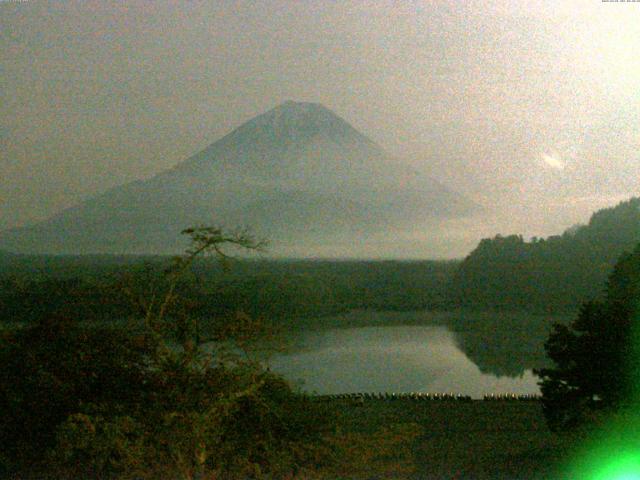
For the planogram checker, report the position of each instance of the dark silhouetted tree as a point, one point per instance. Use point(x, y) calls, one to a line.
point(152, 400)
point(597, 364)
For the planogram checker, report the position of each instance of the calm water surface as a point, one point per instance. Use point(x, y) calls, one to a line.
point(389, 359)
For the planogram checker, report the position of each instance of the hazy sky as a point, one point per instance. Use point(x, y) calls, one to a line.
point(530, 108)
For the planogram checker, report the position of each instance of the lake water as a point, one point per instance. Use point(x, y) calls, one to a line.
point(389, 359)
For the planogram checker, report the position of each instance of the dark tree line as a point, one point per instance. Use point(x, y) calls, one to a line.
point(88, 288)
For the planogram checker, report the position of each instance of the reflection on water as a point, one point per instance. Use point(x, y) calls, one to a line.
point(389, 359)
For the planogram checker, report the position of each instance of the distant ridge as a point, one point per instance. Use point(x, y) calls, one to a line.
point(297, 174)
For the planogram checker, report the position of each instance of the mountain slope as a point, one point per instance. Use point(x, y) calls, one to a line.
point(297, 173)
point(554, 274)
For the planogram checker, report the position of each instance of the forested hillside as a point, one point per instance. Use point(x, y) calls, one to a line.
point(553, 274)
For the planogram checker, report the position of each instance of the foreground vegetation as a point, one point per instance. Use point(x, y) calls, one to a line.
point(149, 401)
point(83, 407)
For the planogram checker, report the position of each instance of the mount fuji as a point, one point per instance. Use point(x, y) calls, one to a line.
point(298, 175)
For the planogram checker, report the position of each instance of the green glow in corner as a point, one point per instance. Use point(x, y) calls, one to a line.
point(616, 455)
point(625, 467)
point(612, 450)
point(611, 461)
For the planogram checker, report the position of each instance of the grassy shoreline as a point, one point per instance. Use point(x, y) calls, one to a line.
point(475, 440)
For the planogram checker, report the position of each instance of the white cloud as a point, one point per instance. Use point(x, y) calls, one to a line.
point(553, 160)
